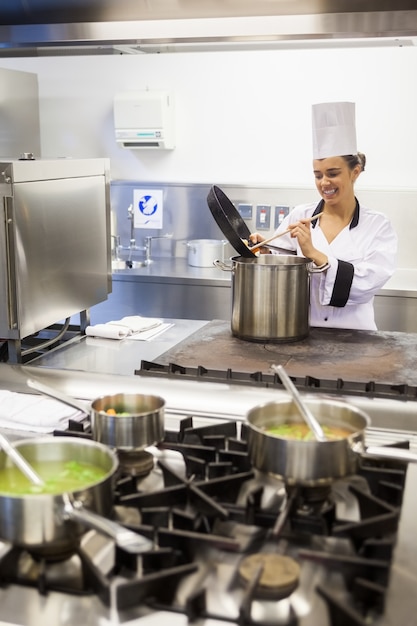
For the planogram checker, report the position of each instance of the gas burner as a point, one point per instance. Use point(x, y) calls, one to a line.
point(58, 571)
point(310, 495)
point(54, 554)
point(137, 463)
point(274, 576)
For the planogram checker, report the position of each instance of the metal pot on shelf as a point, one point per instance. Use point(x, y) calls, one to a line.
point(203, 252)
point(270, 297)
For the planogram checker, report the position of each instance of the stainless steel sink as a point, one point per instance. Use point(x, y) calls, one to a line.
point(122, 264)
point(133, 264)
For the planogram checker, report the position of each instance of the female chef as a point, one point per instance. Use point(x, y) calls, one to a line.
point(353, 248)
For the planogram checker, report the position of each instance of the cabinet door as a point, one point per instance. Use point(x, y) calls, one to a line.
point(59, 250)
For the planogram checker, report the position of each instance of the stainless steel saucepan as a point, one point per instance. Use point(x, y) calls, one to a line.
point(51, 524)
point(312, 462)
point(135, 421)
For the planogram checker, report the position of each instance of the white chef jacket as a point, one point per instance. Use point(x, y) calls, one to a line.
point(362, 258)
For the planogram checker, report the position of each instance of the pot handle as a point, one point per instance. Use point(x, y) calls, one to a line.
point(386, 452)
point(223, 266)
point(126, 539)
point(317, 270)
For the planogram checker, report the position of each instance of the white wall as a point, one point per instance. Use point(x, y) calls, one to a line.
point(241, 117)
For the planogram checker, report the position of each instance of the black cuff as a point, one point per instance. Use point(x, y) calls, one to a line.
point(342, 284)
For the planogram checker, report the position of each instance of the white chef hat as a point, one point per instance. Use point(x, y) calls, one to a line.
point(334, 130)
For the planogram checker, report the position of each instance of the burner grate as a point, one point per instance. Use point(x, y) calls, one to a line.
point(218, 505)
point(370, 389)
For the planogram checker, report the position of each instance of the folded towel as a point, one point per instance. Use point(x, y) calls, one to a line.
point(34, 413)
point(108, 331)
point(137, 324)
point(120, 329)
point(146, 335)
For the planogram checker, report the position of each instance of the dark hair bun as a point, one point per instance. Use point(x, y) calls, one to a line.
point(362, 160)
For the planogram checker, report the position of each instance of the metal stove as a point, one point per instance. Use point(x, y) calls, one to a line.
point(231, 546)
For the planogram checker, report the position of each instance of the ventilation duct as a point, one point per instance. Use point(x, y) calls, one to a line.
point(79, 27)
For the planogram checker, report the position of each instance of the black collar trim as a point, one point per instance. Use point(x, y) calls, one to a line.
point(355, 219)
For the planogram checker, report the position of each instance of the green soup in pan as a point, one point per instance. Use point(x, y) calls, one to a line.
point(300, 431)
point(59, 477)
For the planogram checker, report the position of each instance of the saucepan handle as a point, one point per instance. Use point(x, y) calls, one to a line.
point(127, 539)
point(386, 452)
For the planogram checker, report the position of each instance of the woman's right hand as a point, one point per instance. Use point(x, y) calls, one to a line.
point(255, 238)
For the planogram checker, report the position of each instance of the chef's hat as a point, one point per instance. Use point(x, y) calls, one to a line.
point(334, 131)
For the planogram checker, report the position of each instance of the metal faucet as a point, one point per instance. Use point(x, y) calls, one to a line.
point(148, 245)
point(130, 216)
point(146, 248)
point(132, 241)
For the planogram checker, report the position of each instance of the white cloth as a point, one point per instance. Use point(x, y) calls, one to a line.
point(146, 335)
point(107, 331)
point(334, 129)
point(29, 412)
point(371, 247)
point(136, 323)
point(121, 329)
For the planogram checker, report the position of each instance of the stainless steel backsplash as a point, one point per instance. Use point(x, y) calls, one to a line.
point(187, 215)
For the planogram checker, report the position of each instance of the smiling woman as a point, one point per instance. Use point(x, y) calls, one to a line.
point(355, 247)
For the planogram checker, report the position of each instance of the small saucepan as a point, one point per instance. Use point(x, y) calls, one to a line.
point(128, 421)
point(311, 462)
point(49, 523)
point(124, 421)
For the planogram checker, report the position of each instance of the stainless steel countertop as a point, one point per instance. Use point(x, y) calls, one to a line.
point(113, 356)
point(87, 367)
point(403, 283)
point(177, 270)
point(172, 269)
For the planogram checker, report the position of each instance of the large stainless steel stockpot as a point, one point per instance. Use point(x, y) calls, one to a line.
point(270, 297)
point(50, 525)
point(311, 463)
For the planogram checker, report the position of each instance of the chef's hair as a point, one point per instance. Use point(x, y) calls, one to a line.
point(356, 159)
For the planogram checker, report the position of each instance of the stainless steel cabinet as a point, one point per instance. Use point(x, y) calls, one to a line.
point(54, 242)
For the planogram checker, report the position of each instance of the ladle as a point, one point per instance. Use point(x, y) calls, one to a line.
point(20, 461)
point(304, 410)
point(57, 395)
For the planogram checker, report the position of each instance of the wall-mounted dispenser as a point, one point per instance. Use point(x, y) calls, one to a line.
point(144, 119)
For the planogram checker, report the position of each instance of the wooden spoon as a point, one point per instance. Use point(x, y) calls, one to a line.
point(259, 245)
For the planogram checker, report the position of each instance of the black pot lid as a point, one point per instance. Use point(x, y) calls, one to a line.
point(229, 220)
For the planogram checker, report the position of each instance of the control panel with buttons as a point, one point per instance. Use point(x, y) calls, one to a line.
point(245, 210)
point(263, 216)
point(281, 211)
